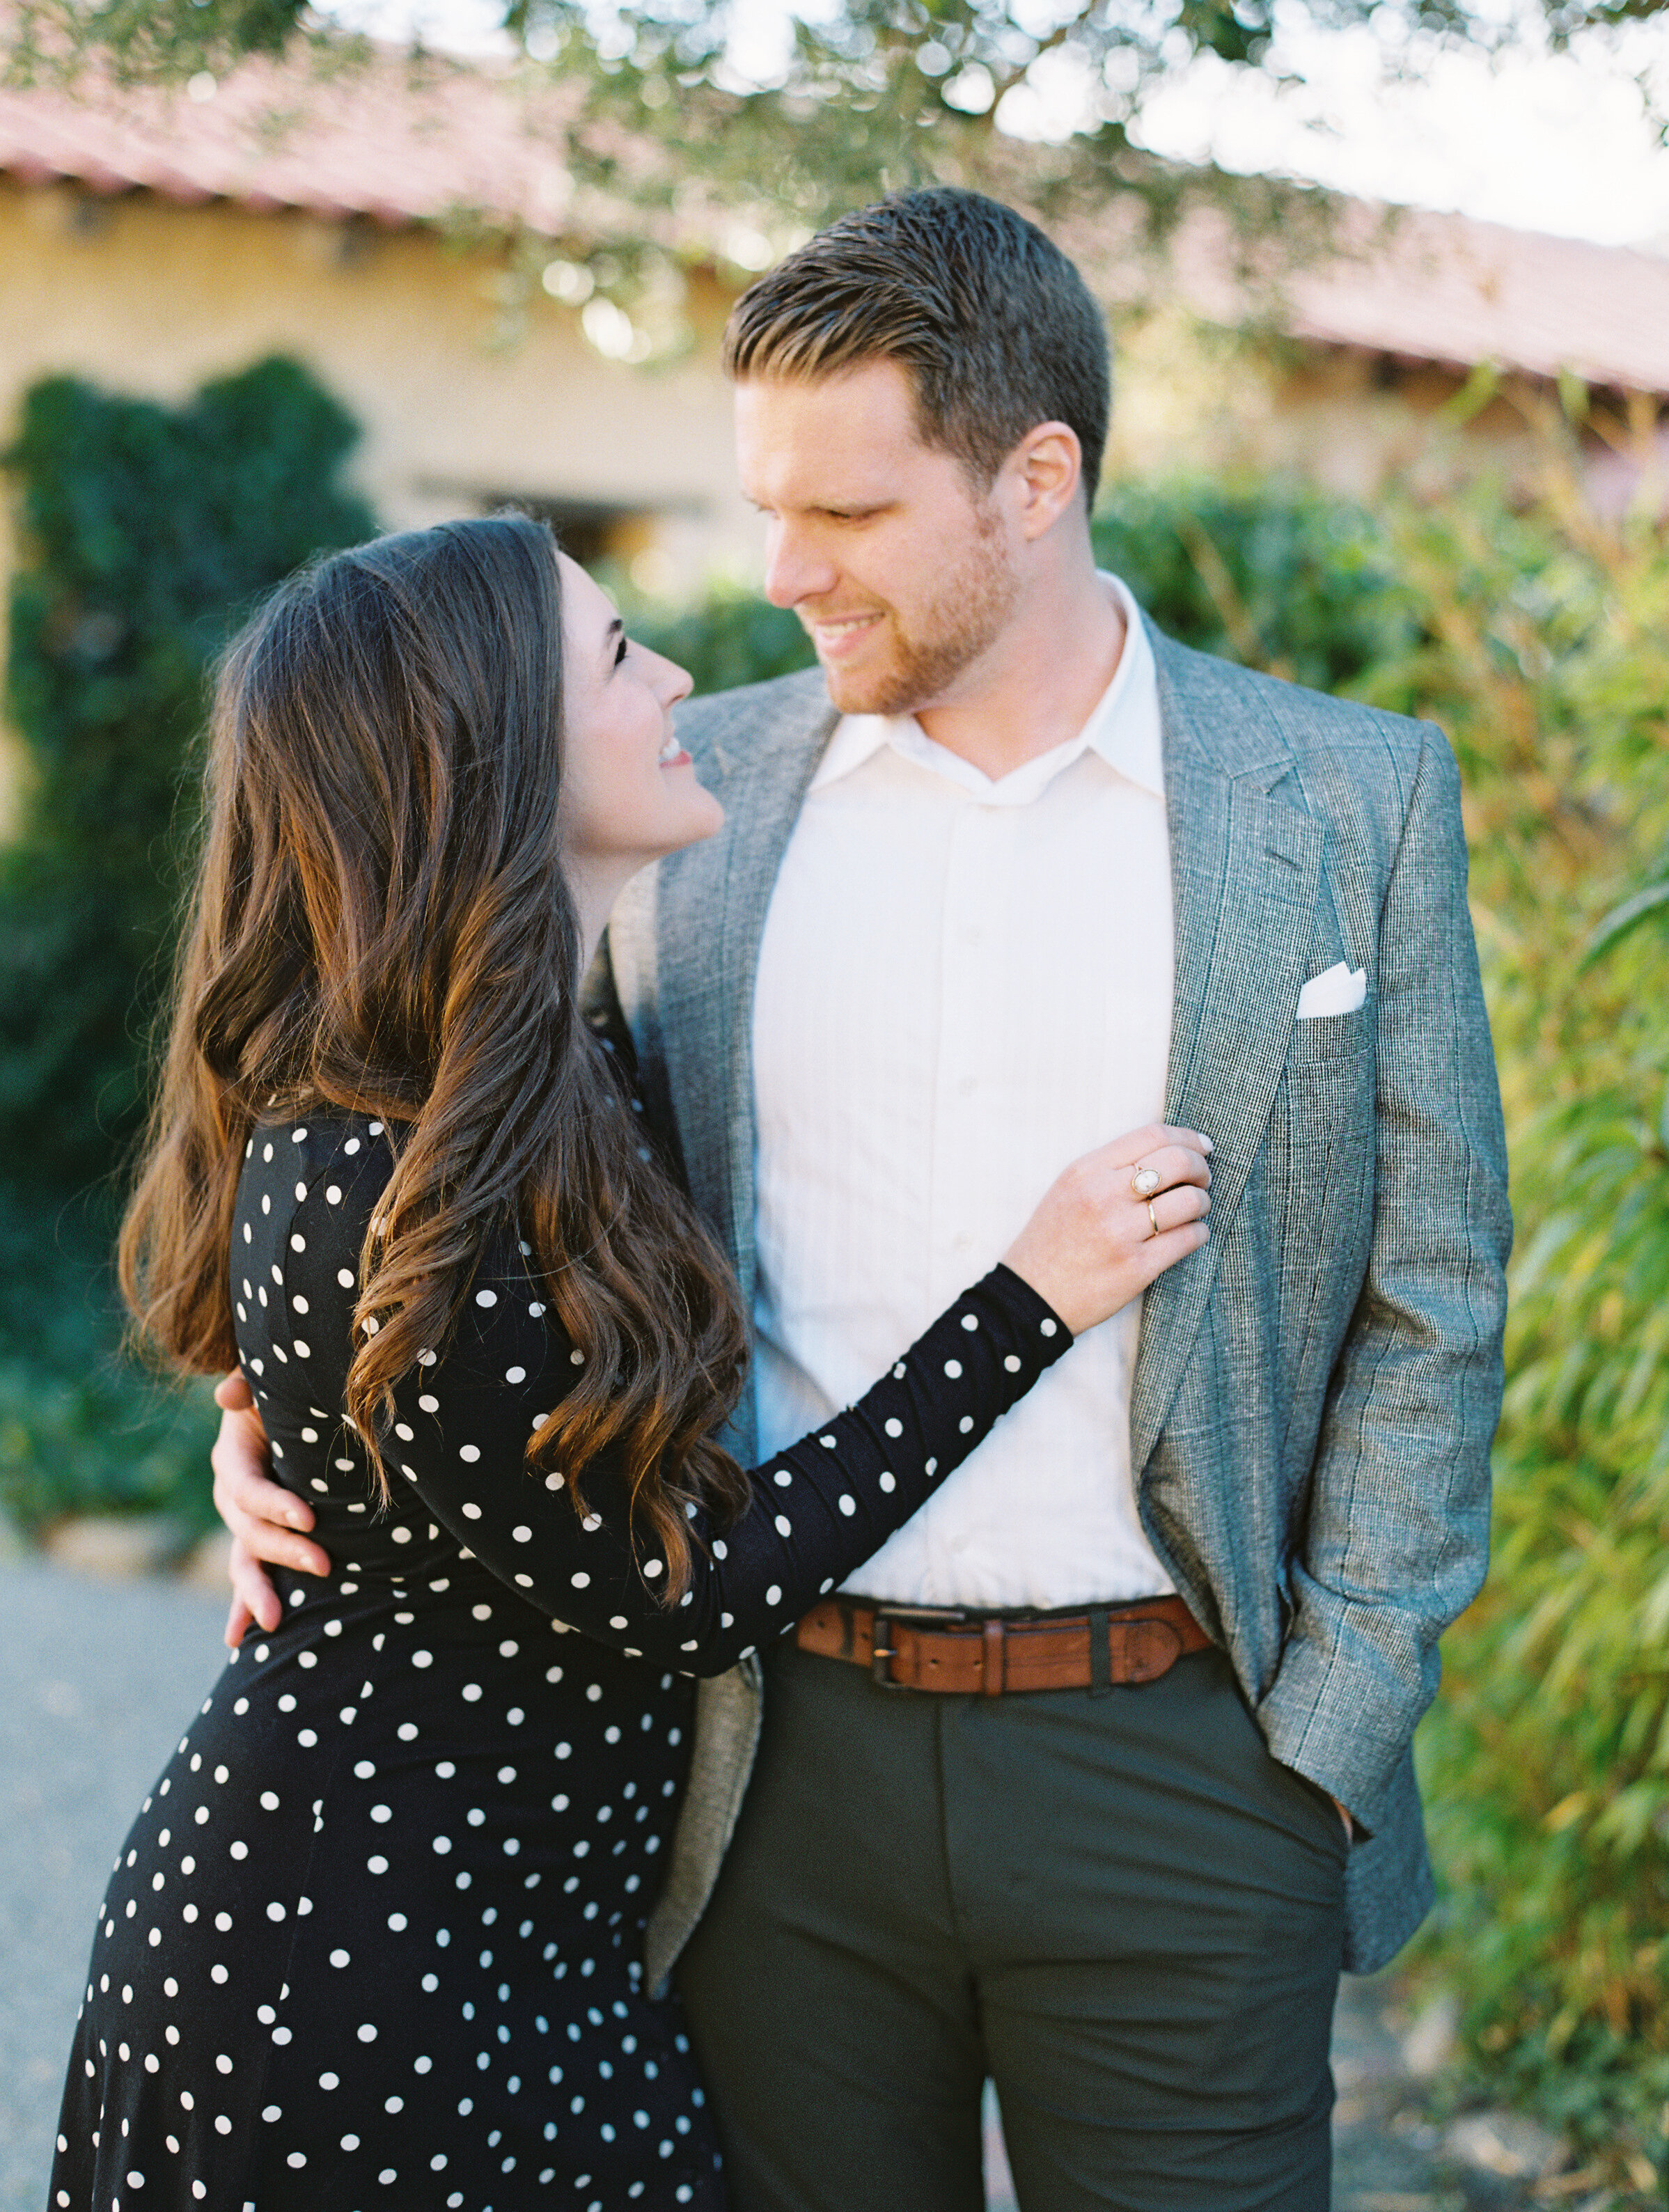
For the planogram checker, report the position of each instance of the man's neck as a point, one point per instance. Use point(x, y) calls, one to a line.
point(1039, 683)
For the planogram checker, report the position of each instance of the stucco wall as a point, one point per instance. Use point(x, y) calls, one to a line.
point(153, 297)
point(1199, 400)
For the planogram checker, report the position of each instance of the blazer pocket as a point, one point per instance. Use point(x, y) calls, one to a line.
point(1332, 1037)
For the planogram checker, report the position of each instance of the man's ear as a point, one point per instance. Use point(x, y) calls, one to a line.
point(1045, 472)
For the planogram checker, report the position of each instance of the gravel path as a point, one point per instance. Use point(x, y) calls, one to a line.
point(100, 1677)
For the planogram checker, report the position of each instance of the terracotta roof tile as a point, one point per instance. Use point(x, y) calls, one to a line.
point(400, 145)
point(1442, 288)
point(392, 142)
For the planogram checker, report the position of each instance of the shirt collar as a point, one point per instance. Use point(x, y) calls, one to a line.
point(1123, 729)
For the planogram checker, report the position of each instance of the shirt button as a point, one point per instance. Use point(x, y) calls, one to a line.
point(967, 1085)
point(961, 1240)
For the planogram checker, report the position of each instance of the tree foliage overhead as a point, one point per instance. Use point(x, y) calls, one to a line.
point(866, 95)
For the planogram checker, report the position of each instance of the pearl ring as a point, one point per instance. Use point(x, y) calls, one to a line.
point(1144, 1182)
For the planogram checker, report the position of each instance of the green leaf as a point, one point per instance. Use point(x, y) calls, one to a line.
point(1622, 920)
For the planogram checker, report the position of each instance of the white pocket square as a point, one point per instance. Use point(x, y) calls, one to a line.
point(1338, 990)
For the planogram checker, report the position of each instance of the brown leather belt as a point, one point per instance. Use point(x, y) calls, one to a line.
point(914, 1648)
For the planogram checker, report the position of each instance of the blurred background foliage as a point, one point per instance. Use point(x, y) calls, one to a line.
point(149, 530)
point(1535, 629)
point(732, 637)
point(666, 107)
point(1545, 651)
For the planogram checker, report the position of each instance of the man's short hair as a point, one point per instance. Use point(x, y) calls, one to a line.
point(995, 325)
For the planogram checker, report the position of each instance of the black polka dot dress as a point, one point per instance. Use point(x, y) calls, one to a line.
point(373, 1939)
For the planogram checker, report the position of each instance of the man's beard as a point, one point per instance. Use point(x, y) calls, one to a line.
point(968, 611)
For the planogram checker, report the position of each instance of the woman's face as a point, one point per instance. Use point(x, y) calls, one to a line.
point(629, 792)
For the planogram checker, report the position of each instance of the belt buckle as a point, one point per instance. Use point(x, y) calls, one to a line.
point(928, 1616)
point(881, 1652)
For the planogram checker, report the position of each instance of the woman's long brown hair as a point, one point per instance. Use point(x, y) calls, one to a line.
point(380, 922)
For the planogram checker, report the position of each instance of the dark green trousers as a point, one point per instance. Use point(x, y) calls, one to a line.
point(1118, 1906)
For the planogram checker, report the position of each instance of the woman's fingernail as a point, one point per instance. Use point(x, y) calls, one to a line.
point(1210, 1147)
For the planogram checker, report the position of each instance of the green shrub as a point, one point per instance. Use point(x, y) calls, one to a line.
point(148, 531)
point(733, 636)
point(1274, 574)
point(81, 1428)
point(1546, 655)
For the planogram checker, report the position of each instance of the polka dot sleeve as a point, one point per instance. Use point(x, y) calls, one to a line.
point(818, 1509)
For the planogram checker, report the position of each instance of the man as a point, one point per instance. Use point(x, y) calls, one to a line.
point(1013, 873)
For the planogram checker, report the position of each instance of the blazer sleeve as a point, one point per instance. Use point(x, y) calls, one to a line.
point(1397, 1540)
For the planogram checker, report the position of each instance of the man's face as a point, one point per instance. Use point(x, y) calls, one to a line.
point(903, 577)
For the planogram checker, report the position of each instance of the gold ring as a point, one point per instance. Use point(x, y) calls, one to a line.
point(1144, 1182)
point(1153, 1218)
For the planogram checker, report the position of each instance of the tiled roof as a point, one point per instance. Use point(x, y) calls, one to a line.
point(1440, 288)
point(1417, 286)
point(399, 144)
point(395, 142)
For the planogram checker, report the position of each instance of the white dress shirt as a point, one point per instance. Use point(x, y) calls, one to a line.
point(963, 984)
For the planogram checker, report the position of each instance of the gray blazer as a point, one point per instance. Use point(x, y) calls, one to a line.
point(1315, 1392)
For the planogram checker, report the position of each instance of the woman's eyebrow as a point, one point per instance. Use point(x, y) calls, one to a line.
point(616, 629)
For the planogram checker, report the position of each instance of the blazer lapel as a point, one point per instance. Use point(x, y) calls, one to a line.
point(1245, 871)
point(710, 908)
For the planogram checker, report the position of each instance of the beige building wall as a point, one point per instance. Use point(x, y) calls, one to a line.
point(148, 296)
point(1193, 399)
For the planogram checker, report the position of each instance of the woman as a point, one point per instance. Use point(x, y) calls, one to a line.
point(373, 1938)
